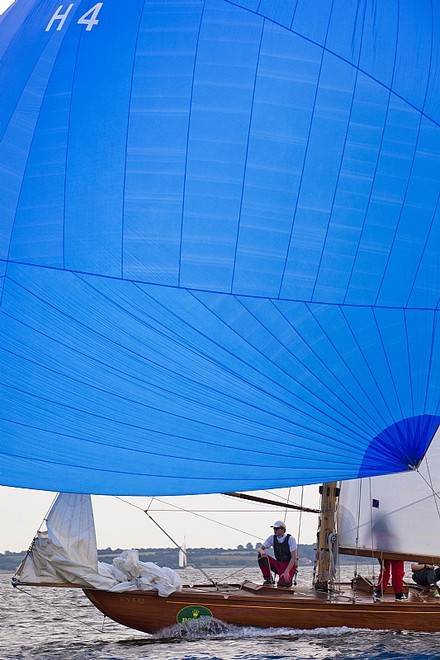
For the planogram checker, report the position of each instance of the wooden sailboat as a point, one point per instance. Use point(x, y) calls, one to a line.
point(219, 271)
point(326, 603)
point(267, 607)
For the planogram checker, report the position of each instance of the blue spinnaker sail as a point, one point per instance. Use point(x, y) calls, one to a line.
point(219, 242)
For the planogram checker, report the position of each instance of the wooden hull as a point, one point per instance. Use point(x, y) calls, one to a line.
point(266, 608)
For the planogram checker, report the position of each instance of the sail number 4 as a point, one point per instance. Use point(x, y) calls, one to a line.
point(89, 19)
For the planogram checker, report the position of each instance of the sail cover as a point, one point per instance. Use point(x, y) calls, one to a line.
point(219, 242)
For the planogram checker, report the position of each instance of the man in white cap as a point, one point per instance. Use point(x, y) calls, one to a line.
point(285, 551)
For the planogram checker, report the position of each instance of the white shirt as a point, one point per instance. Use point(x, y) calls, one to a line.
point(269, 541)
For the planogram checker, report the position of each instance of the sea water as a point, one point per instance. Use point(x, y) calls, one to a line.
point(48, 624)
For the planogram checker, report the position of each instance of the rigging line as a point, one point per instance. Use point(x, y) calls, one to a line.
point(287, 504)
point(136, 506)
point(230, 575)
point(171, 539)
point(435, 494)
point(179, 508)
point(31, 546)
point(370, 495)
point(179, 547)
point(220, 510)
point(357, 528)
point(295, 575)
point(246, 566)
point(275, 493)
point(300, 516)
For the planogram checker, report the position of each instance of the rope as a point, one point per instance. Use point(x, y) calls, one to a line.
point(430, 486)
point(240, 570)
point(179, 547)
point(295, 581)
point(179, 508)
point(198, 515)
point(175, 506)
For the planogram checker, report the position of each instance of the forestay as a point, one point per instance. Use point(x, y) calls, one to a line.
point(66, 555)
point(219, 242)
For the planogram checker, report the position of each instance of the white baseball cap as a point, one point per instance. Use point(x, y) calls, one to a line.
point(279, 523)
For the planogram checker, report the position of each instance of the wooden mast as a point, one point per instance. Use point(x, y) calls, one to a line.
point(326, 538)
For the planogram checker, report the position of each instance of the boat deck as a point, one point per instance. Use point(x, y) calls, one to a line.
point(344, 592)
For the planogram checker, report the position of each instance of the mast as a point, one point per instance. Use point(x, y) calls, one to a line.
point(326, 550)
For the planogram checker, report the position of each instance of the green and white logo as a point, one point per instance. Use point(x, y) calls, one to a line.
point(191, 612)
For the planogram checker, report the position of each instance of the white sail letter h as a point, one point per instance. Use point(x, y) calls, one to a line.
point(59, 17)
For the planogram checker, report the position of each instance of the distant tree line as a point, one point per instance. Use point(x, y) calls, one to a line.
point(197, 557)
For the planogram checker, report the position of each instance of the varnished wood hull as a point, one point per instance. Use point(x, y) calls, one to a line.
point(148, 612)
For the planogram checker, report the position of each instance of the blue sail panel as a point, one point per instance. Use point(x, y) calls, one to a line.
point(218, 244)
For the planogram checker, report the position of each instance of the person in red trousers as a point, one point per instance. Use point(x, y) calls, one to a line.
point(285, 551)
point(396, 569)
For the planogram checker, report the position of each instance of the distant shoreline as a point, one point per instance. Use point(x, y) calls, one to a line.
point(199, 558)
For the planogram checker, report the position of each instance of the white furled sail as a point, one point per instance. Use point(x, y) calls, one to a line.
point(66, 555)
point(395, 516)
point(66, 552)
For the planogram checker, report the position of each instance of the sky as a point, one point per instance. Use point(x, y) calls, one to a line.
point(124, 524)
point(4, 4)
point(200, 521)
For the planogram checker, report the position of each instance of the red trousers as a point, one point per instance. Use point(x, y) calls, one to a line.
point(395, 568)
point(269, 564)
